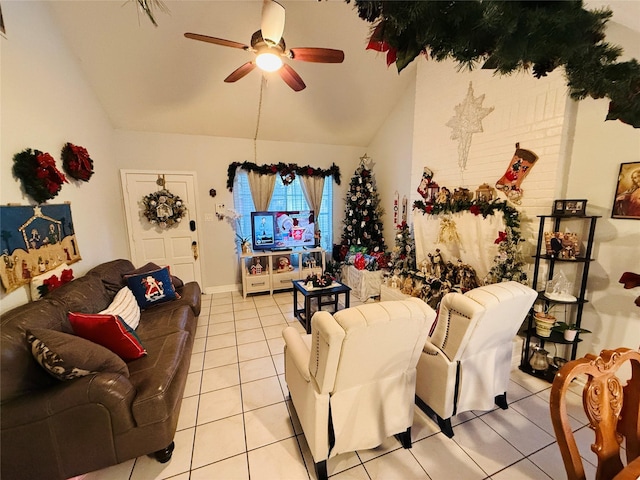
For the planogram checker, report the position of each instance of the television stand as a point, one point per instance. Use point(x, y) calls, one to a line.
point(271, 270)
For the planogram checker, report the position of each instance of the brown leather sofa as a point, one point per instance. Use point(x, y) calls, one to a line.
point(58, 429)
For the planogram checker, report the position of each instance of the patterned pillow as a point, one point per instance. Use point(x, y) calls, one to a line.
point(44, 283)
point(66, 356)
point(152, 288)
point(125, 306)
point(110, 331)
point(152, 267)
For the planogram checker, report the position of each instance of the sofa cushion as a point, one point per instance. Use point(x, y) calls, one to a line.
point(151, 288)
point(152, 267)
point(125, 306)
point(66, 356)
point(110, 332)
point(86, 294)
point(110, 273)
point(41, 285)
point(167, 317)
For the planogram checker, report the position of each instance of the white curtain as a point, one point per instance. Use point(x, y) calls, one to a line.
point(312, 188)
point(261, 187)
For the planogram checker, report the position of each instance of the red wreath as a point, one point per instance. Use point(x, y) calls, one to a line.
point(38, 173)
point(76, 162)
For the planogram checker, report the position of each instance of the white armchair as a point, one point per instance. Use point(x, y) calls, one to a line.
point(466, 361)
point(352, 381)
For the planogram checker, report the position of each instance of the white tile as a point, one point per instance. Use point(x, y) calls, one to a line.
point(220, 309)
point(222, 327)
point(201, 331)
point(188, 413)
point(219, 404)
point(575, 407)
point(399, 464)
point(249, 336)
point(276, 345)
point(273, 319)
point(220, 377)
point(267, 425)
point(443, 459)
point(247, 306)
point(536, 409)
point(519, 431)
point(219, 357)
point(294, 416)
point(234, 468)
point(278, 361)
point(278, 460)
point(220, 317)
point(148, 468)
point(275, 331)
point(488, 449)
point(531, 383)
point(115, 472)
point(221, 301)
point(250, 351)
point(523, 470)
point(264, 301)
point(197, 360)
point(266, 310)
point(256, 369)
point(198, 345)
point(549, 461)
point(221, 341)
point(192, 387)
point(247, 323)
point(356, 473)
point(423, 426)
point(218, 440)
point(260, 393)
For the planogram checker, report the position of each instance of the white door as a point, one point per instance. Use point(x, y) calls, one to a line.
point(176, 246)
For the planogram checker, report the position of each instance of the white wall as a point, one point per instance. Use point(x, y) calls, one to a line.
point(599, 149)
point(391, 152)
point(46, 103)
point(210, 157)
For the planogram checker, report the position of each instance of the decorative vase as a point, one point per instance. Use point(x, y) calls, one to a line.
point(570, 335)
point(539, 360)
point(544, 322)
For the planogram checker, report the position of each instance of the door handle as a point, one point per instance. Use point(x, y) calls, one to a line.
point(194, 249)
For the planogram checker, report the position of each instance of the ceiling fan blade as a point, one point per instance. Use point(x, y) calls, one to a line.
point(240, 72)
point(291, 78)
point(217, 41)
point(272, 24)
point(318, 55)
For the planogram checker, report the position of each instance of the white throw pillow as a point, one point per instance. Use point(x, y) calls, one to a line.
point(38, 280)
point(124, 305)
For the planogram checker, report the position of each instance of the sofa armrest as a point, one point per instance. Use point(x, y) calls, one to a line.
point(298, 351)
point(110, 391)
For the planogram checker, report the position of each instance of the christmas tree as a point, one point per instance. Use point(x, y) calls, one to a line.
point(362, 223)
point(403, 255)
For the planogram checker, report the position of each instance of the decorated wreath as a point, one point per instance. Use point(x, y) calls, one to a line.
point(38, 173)
point(163, 208)
point(76, 162)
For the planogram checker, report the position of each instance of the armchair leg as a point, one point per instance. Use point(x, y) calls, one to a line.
point(405, 438)
point(321, 470)
point(501, 401)
point(445, 426)
point(164, 455)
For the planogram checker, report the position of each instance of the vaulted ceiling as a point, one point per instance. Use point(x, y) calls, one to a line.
point(153, 79)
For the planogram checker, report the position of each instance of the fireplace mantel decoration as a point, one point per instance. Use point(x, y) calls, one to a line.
point(287, 171)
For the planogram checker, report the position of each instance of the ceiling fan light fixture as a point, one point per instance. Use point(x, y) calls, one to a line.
point(269, 62)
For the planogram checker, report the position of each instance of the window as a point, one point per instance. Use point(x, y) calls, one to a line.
point(288, 197)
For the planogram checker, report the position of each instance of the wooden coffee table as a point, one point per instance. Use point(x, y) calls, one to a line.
point(333, 292)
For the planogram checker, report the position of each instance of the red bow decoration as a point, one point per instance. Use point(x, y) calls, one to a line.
point(502, 236)
point(377, 43)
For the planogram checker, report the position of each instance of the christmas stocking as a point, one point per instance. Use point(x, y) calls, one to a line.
point(521, 163)
point(427, 175)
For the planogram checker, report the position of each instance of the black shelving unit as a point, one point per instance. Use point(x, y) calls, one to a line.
point(582, 273)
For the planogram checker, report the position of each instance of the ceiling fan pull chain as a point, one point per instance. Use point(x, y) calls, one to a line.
point(255, 137)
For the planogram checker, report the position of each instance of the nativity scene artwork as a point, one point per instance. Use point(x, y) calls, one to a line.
point(35, 240)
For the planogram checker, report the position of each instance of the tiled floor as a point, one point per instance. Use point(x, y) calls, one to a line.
point(236, 421)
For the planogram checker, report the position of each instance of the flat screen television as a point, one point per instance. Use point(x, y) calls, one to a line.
point(283, 230)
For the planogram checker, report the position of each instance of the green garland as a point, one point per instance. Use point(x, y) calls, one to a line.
point(287, 171)
point(509, 36)
point(507, 265)
point(38, 173)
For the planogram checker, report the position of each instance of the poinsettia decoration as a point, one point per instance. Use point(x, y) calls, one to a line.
point(76, 162)
point(54, 282)
point(287, 171)
point(38, 173)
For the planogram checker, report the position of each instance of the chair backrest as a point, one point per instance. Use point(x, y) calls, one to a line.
point(613, 410)
point(481, 319)
point(363, 343)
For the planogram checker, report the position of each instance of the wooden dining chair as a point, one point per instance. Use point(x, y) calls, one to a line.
point(613, 411)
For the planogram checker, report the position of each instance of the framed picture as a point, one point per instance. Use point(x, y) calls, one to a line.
point(626, 203)
point(562, 245)
point(570, 207)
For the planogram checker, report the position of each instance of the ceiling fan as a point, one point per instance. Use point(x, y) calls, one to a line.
point(269, 48)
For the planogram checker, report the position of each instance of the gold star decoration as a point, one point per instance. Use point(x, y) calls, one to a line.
point(466, 122)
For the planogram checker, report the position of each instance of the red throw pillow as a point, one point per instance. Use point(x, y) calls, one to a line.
point(110, 332)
